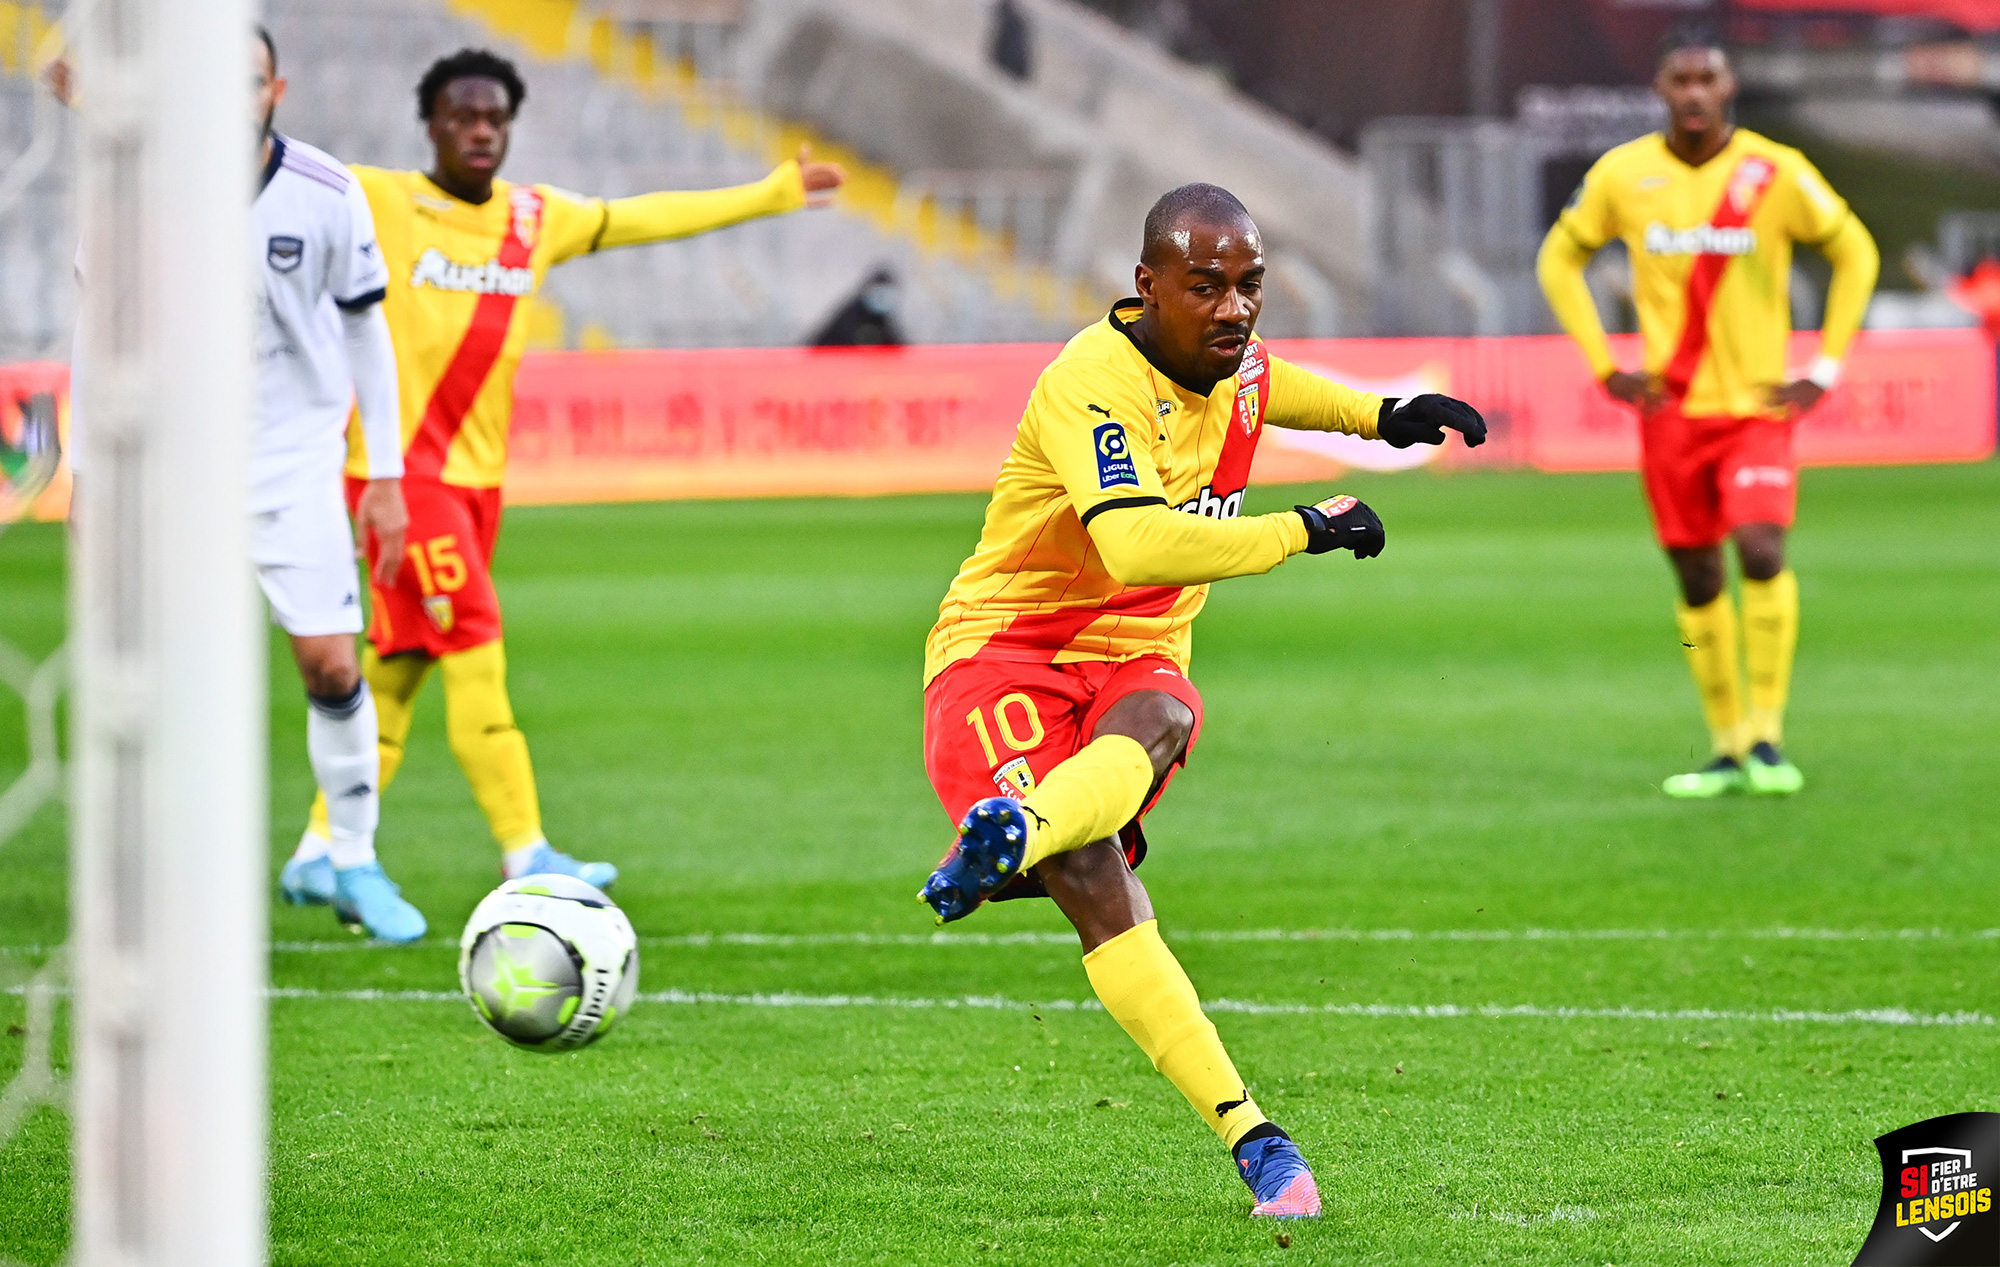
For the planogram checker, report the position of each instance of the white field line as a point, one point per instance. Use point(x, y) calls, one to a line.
point(1383, 1011)
point(1392, 1011)
point(782, 940)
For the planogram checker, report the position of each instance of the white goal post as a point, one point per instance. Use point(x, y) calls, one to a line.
point(168, 916)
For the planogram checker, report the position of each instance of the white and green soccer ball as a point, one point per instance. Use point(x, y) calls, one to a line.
point(549, 962)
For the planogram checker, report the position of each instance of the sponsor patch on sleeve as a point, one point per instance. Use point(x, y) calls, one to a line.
point(1114, 457)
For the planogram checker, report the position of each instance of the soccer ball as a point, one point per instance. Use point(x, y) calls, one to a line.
point(549, 962)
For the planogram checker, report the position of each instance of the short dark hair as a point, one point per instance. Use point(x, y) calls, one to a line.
point(1201, 203)
point(469, 63)
point(270, 46)
point(1687, 35)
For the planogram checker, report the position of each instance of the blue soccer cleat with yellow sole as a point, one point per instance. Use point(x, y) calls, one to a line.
point(1277, 1175)
point(992, 842)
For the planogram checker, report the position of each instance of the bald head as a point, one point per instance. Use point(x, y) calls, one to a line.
point(1171, 224)
point(1201, 278)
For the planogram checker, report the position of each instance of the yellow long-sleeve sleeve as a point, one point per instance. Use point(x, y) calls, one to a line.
point(1303, 401)
point(679, 214)
point(1152, 545)
point(1856, 264)
point(1559, 267)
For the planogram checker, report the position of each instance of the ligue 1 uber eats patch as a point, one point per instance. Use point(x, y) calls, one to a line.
point(1937, 1195)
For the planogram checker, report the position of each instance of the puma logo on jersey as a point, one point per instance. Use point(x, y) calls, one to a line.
point(1207, 503)
point(1703, 239)
point(1098, 409)
point(438, 271)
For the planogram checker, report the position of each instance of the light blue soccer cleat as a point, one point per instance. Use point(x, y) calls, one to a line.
point(992, 843)
point(308, 883)
point(365, 895)
point(1277, 1176)
point(546, 860)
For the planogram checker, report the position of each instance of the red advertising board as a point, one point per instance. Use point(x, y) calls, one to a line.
point(1977, 16)
point(758, 422)
point(782, 421)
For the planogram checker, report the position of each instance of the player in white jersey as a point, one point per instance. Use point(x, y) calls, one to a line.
point(322, 345)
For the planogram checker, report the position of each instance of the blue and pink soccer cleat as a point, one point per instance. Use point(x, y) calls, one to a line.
point(992, 841)
point(547, 860)
point(1278, 1177)
point(366, 896)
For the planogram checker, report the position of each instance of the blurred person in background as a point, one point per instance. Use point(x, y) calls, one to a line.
point(1709, 213)
point(463, 249)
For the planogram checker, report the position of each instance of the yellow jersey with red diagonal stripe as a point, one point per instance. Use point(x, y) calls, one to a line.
point(459, 274)
point(1711, 254)
point(1106, 430)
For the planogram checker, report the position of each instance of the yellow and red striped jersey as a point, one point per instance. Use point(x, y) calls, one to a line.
point(1106, 430)
point(458, 273)
point(1711, 254)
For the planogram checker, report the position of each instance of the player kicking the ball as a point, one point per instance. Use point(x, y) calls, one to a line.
point(1057, 672)
point(1709, 212)
point(463, 250)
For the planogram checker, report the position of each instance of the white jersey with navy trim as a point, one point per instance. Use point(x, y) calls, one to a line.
point(315, 249)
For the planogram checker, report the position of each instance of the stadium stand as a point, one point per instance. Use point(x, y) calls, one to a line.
point(1000, 205)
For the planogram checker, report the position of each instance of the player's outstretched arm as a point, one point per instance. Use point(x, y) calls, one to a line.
point(1304, 401)
point(667, 215)
point(1153, 545)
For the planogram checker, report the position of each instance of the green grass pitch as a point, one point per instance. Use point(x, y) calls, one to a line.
point(1461, 739)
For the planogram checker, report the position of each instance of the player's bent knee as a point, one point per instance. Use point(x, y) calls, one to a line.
point(1160, 721)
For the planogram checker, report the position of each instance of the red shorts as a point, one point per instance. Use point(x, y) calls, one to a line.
point(443, 598)
point(1706, 477)
point(997, 727)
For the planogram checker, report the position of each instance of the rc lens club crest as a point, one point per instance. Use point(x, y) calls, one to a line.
point(1937, 1195)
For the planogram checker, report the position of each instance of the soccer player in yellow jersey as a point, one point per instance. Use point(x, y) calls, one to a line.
point(1057, 672)
point(1709, 212)
point(463, 249)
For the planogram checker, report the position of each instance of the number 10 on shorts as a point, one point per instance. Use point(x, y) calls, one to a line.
point(1019, 724)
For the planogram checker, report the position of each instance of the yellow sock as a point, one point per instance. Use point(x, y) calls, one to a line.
point(1770, 633)
point(1708, 634)
point(479, 721)
point(1088, 797)
point(1141, 984)
point(394, 683)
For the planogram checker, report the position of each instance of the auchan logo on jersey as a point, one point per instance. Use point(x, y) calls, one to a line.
point(1207, 503)
point(440, 272)
point(1703, 239)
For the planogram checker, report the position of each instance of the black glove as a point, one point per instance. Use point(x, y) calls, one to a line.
point(1422, 419)
point(1342, 523)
